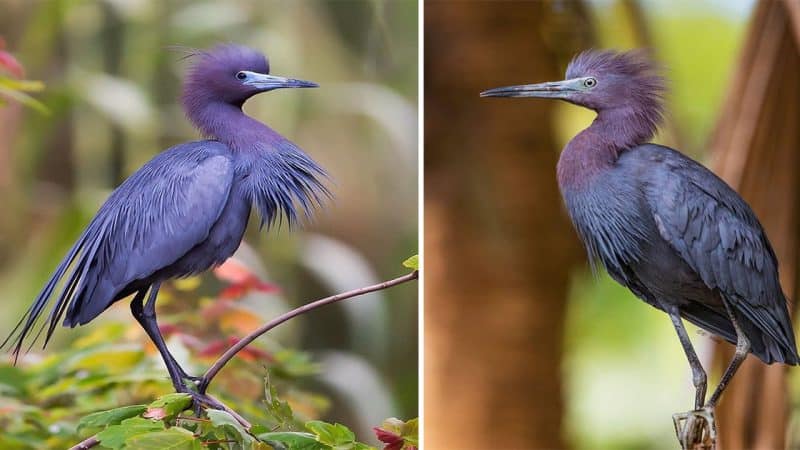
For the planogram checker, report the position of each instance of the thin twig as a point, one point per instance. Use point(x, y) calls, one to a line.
point(242, 421)
point(245, 341)
point(86, 443)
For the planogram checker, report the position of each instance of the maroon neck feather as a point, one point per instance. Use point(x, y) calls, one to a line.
point(629, 105)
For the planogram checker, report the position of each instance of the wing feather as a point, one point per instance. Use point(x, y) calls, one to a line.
point(150, 221)
point(718, 235)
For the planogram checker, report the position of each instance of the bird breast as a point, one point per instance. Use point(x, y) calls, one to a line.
point(609, 216)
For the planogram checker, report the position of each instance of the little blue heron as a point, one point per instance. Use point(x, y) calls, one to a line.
point(663, 225)
point(185, 210)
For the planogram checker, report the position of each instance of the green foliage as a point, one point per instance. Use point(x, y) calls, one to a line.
point(117, 436)
point(218, 429)
point(111, 416)
point(334, 435)
point(61, 399)
point(412, 262)
point(52, 416)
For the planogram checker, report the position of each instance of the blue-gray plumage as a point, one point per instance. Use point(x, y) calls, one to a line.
point(663, 225)
point(186, 210)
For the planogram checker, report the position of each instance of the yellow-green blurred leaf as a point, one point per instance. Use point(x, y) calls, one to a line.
point(114, 359)
point(412, 262)
point(22, 85)
point(24, 98)
point(187, 284)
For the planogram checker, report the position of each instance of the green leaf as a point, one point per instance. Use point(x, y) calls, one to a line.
point(412, 262)
point(24, 98)
point(22, 85)
point(111, 416)
point(294, 440)
point(331, 434)
point(116, 436)
point(294, 364)
point(169, 405)
point(279, 410)
point(224, 420)
point(175, 438)
point(114, 359)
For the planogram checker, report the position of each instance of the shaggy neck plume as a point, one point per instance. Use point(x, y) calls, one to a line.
point(225, 122)
point(597, 148)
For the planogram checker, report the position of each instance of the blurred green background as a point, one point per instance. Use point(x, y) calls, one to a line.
point(111, 88)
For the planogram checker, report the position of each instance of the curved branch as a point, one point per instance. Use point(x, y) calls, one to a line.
point(245, 341)
point(86, 443)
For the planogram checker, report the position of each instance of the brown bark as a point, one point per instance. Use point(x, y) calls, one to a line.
point(755, 150)
point(498, 245)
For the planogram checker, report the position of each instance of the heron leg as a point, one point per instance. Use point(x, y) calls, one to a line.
point(698, 425)
point(699, 378)
point(145, 314)
point(742, 348)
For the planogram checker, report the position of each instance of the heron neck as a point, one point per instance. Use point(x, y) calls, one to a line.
point(596, 149)
point(624, 127)
point(228, 124)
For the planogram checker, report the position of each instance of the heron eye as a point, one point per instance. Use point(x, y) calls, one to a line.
point(590, 82)
point(241, 75)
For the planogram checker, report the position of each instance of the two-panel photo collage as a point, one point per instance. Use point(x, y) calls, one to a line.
point(399, 224)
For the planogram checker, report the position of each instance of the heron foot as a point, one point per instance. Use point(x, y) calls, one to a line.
point(192, 379)
point(697, 429)
point(201, 401)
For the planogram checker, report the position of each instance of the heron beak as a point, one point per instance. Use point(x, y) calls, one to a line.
point(553, 89)
point(269, 82)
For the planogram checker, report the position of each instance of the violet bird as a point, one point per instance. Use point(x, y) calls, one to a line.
point(663, 225)
point(185, 210)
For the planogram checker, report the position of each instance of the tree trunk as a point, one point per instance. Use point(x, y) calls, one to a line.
point(755, 150)
point(498, 243)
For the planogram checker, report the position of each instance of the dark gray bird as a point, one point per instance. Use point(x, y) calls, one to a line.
point(663, 225)
point(185, 210)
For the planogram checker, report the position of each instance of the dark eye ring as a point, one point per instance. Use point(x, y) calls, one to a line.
point(590, 82)
point(241, 75)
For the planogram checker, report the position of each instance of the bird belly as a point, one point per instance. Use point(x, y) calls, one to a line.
point(670, 279)
point(222, 241)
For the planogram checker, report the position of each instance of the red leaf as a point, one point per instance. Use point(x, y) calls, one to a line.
point(233, 271)
point(392, 441)
point(242, 280)
point(242, 287)
point(265, 287)
point(11, 65)
point(233, 291)
point(214, 348)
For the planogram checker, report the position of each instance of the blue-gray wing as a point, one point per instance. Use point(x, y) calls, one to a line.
point(719, 236)
point(150, 221)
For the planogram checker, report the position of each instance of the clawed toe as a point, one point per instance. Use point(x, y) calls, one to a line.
point(203, 401)
point(696, 427)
